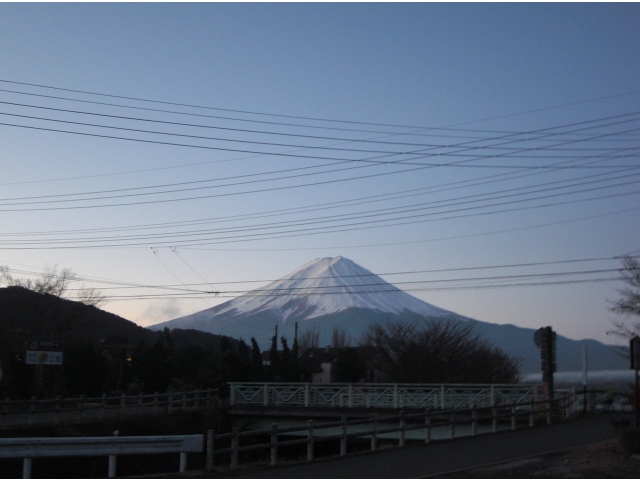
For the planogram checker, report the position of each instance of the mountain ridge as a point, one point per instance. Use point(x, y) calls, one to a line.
point(336, 292)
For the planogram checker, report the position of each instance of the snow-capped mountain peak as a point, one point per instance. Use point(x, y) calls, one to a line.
point(325, 286)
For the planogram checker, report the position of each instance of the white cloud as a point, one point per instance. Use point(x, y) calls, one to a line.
point(159, 311)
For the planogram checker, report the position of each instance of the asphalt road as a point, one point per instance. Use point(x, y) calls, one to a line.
point(443, 457)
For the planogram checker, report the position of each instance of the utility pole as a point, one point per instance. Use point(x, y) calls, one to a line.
point(295, 352)
point(634, 351)
point(584, 377)
point(545, 340)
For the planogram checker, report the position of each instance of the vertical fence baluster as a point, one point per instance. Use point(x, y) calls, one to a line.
point(32, 407)
point(513, 418)
point(343, 439)
point(474, 421)
point(274, 443)
point(80, 405)
point(310, 440)
point(452, 425)
point(210, 450)
point(183, 461)
point(103, 406)
point(374, 433)
point(402, 430)
point(494, 414)
point(234, 447)
point(427, 428)
point(55, 413)
point(532, 414)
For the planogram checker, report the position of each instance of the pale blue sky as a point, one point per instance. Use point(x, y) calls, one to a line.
point(494, 69)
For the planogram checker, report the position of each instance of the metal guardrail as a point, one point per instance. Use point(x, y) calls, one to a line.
point(29, 448)
point(564, 406)
point(380, 395)
point(59, 411)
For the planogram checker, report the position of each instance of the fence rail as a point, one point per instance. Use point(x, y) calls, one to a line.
point(508, 415)
point(34, 412)
point(380, 395)
point(29, 448)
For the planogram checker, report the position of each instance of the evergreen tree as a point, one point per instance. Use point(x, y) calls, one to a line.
point(286, 364)
point(256, 361)
point(294, 355)
point(274, 358)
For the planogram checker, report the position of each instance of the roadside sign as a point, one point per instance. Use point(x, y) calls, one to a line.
point(43, 353)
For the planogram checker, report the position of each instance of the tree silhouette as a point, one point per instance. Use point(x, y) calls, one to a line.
point(437, 351)
point(628, 305)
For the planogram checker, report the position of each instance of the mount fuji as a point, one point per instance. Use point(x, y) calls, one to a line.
point(336, 292)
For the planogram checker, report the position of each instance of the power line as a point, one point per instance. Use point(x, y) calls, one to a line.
point(123, 284)
point(343, 140)
point(427, 289)
point(469, 199)
point(430, 240)
point(544, 167)
point(360, 225)
point(248, 112)
point(356, 288)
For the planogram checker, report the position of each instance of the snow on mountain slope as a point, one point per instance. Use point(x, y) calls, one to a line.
point(325, 286)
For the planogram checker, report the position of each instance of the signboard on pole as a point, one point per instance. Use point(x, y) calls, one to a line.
point(43, 353)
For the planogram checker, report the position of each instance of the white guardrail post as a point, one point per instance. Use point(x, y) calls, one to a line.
point(30, 448)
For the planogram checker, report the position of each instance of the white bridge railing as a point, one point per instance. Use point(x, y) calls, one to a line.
point(382, 395)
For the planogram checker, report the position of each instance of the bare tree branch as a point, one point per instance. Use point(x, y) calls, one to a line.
point(437, 351)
